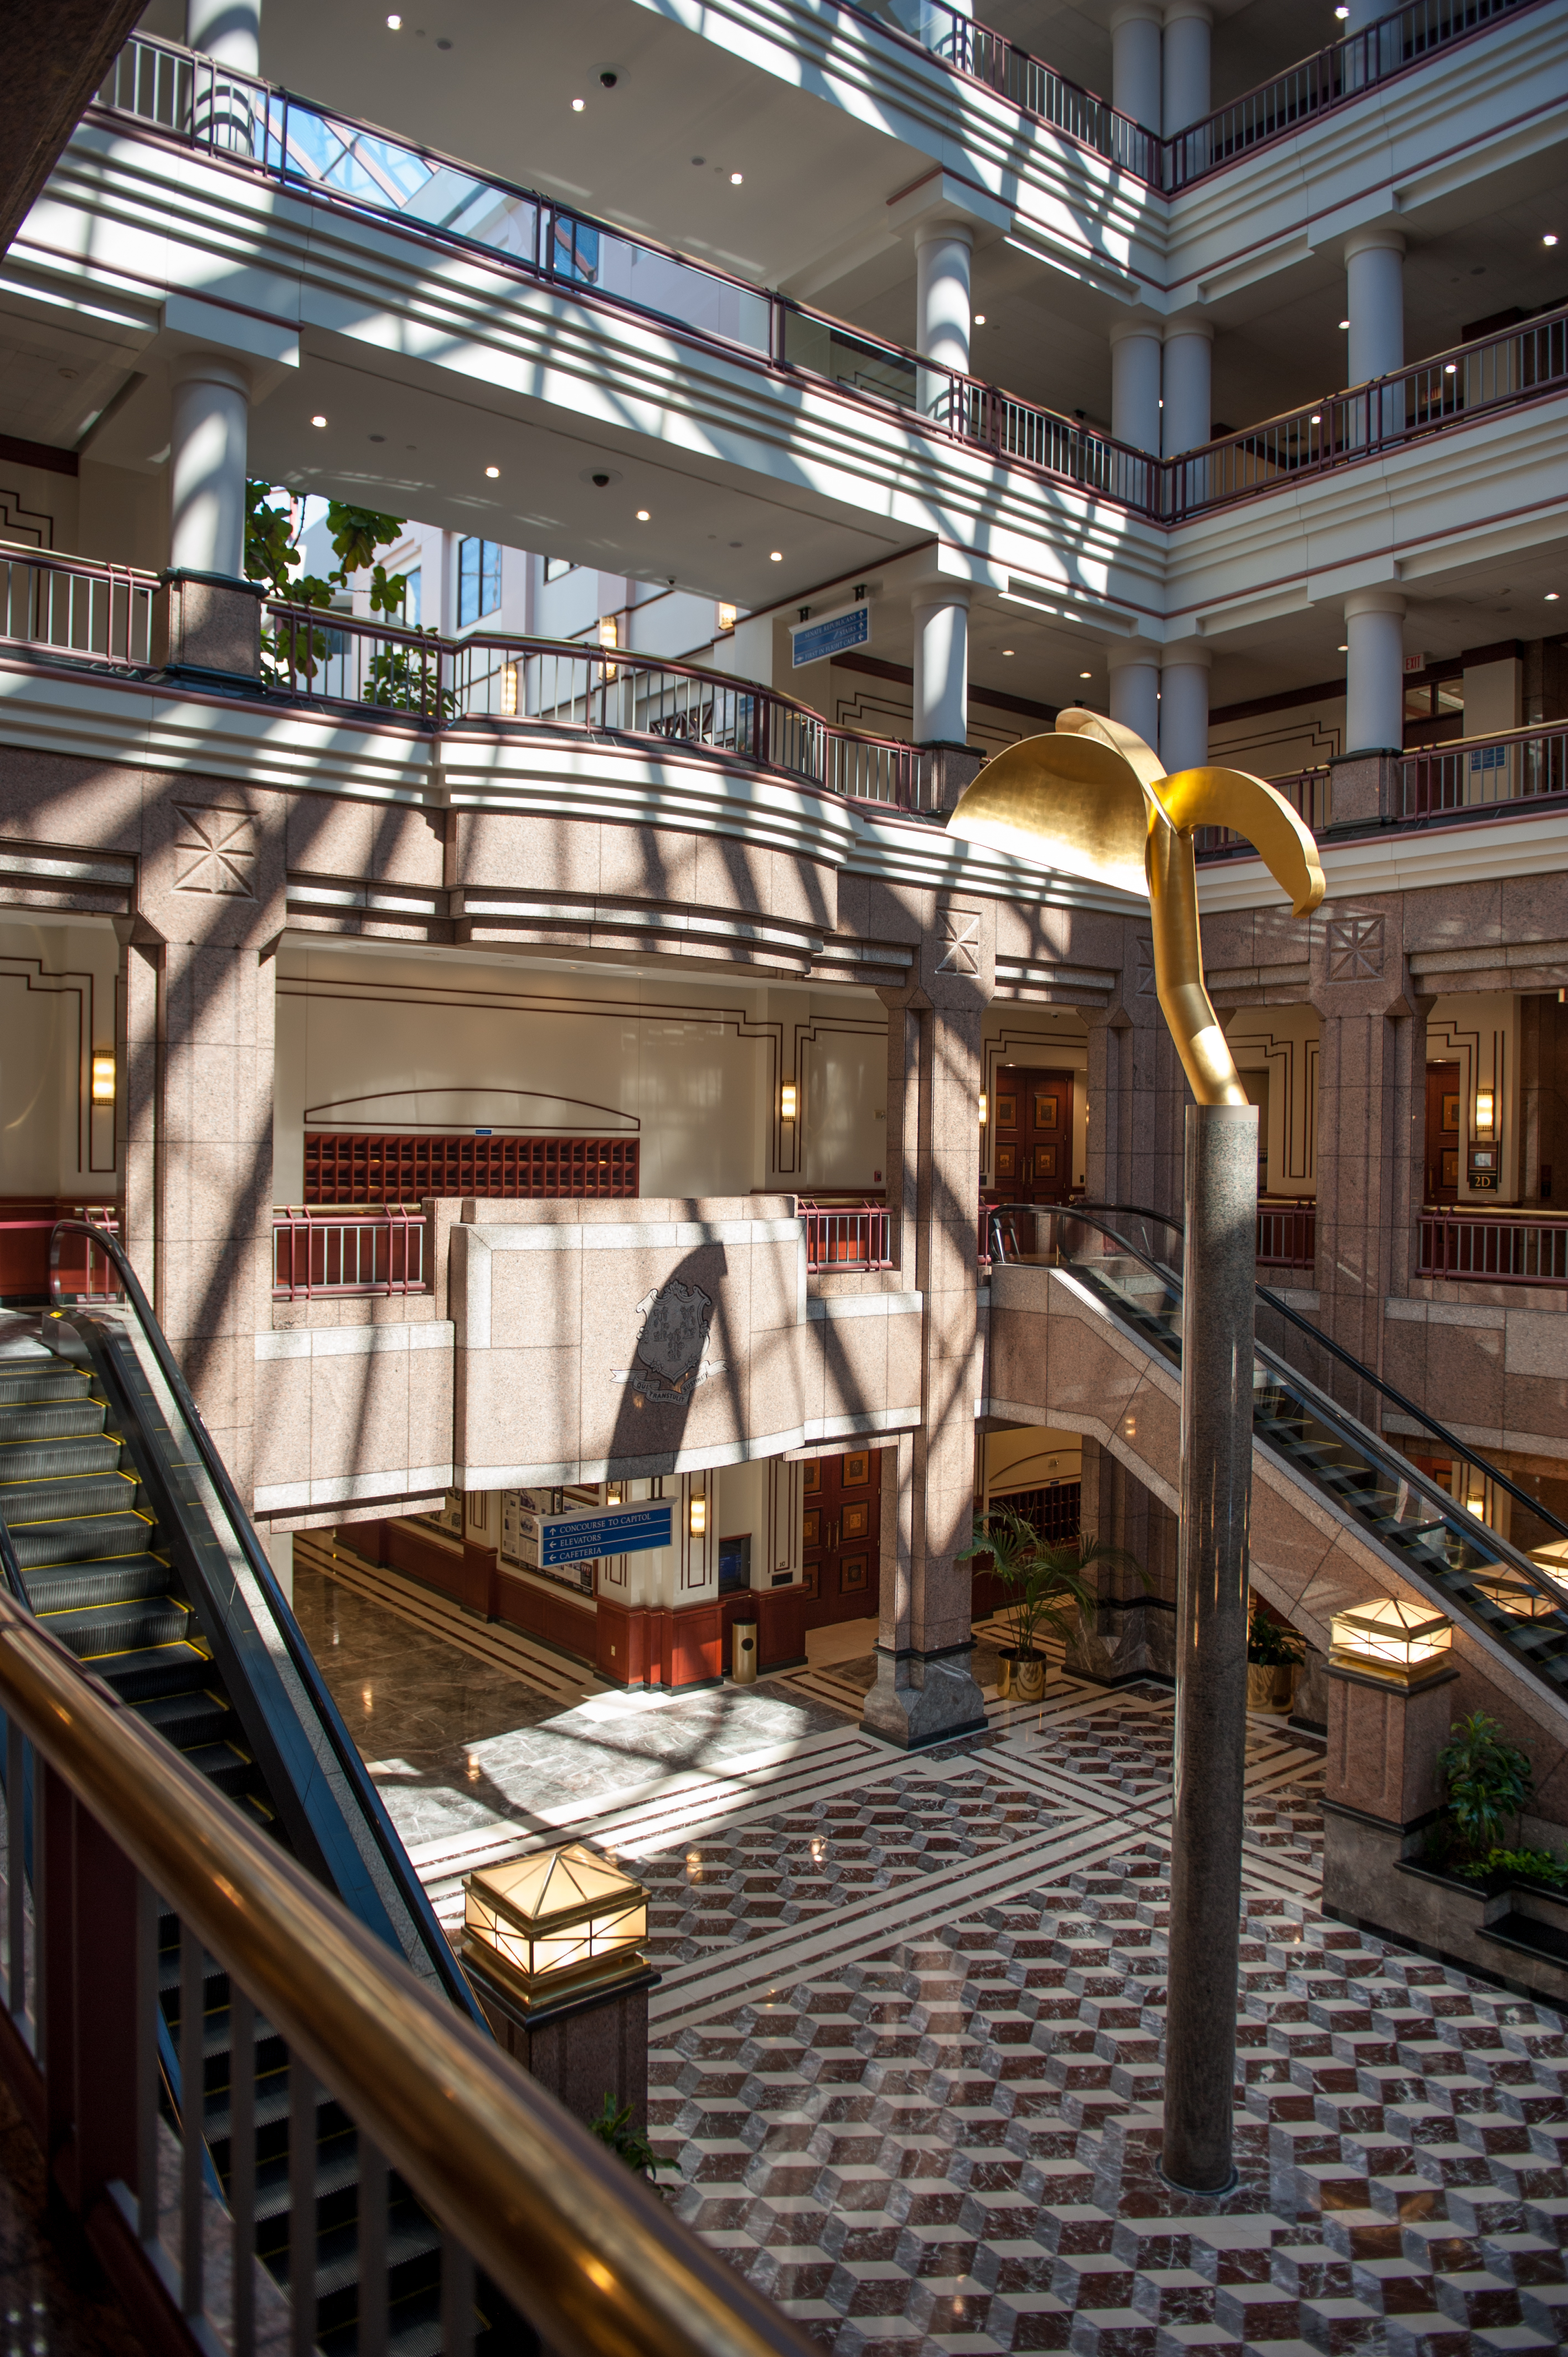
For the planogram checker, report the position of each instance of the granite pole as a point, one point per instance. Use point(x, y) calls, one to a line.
point(1222, 1212)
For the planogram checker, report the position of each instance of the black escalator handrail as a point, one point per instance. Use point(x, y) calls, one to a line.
point(410, 1890)
point(1502, 1550)
point(1358, 1367)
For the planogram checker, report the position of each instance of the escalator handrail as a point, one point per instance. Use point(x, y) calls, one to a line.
point(1347, 1358)
point(395, 1858)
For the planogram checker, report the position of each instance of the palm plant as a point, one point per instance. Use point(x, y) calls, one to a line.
point(1045, 1582)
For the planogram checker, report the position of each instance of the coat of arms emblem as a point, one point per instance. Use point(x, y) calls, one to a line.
point(673, 1341)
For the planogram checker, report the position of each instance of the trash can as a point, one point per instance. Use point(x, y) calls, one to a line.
point(742, 1653)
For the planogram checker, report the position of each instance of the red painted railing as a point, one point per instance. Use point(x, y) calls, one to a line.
point(845, 1236)
point(1478, 773)
point(1287, 1235)
point(26, 1224)
point(336, 1251)
point(1494, 1249)
point(1308, 792)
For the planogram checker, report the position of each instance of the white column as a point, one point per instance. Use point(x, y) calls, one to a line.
point(207, 464)
point(1187, 44)
point(1184, 705)
point(229, 30)
point(943, 313)
point(1135, 61)
point(1186, 416)
point(1374, 285)
point(1134, 668)
point(941, 665)
point(1374, 671)
point(1135, 383)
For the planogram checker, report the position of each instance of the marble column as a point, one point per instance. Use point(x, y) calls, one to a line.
point(924, 1691)
point(1184, 704)
point(213, 613)
point(1371, 1124)
point(1374, 292)
point(1187, 375)
point(1135, 72)
point(1136, 1089)
point(941, 665)
point(1185, 57)
point(1221, 1198)
point(944, 323)
point(1129, 1634)
point(1374, 671)
point(1135, 347)
point(1134, 668)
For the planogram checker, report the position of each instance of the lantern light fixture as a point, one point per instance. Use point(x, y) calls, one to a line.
point(103, 1078)
point(789, 1102)
point(1485, 1103)
point(1405, 1643)
point(697, 1514)
point(554, 1924)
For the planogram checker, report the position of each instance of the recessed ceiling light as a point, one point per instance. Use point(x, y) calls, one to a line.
point(493, 472)
point(643, 515)
point(775, 557)
point(318, 421)
point(1344, 323)
point(980, 319)
point(1343, 646)
point(735, 179)
point(1549, 240)
point(394, 24)
point(576, 106)
point(1007, 651)
point(1343, 15)
point(1552, 596)
point(1086, 675)
point(1315, 421)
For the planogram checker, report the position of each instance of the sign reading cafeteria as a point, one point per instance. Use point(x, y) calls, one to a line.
point(582, 1534)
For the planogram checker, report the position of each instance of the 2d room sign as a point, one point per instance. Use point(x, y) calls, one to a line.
point(830, 634)
point(581, 1535)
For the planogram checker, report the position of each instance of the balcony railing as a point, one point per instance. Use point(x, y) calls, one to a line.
point(343, 162)
point(1308, 792)
point(847, 1236)
point(102, 613)
point(1287, 1235)
point(1478, 774)
point(1494, 1249)
point(377, 1250)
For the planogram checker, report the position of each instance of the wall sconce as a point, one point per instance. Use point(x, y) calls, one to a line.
point(508, 691)
point(697, 1515)
point(552, 1925)
point(984, 1108)
point(613, 1493)
point(1485, 1102)
point(789, 1101)
point(1404, 1644)
point(728, 616)
point(103, 1080)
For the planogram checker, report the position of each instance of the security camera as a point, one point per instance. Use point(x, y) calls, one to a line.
point(601, 480)
point(608, 78)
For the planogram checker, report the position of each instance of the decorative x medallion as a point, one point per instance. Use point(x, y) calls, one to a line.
point(215, 850)
point(1355, 948)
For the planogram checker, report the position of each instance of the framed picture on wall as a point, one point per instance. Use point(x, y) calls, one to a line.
point(1047, 1109)
point(856, 1468)
point(1451, 1114)
point(1044, 1161)
point(812, 1477)
point(812, 1527)
point(1007, 1162)
point(852, 1573)
point(1007, 1111)
point(855, 1523)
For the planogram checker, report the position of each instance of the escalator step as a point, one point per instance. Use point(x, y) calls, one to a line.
point(79, 1538)
point(66, 1384)
point(148, 1673)
point(95, 1631)
point(54, 1498)
point(75, 1586)
point(187, 1720)
point(37, 1460)
point(231, 1771)
point(52, 1420)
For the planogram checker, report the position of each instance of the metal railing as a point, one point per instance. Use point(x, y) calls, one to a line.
point(845, 1236)
point(354, 164)
point(75, 607)
point(1479, 773)
point(377, 1250)
point(1494, 1249)
point(1330, 77)
point(148, 1878)
point(1310, 795)
point(1287, 1235)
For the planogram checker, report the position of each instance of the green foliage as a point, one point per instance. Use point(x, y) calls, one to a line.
point(399, 677)
point(1271, 1645)
point(1489, 1780)
point(1045, 1584)
point(1529, 1865)
point(628, 2143)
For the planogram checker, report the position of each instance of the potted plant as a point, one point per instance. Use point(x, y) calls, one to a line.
point(1044, 1587)
point(1275, 1655)
point(1489, 1780)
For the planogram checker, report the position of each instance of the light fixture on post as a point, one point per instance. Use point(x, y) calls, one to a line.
point(1404, 1644)
point(103, 1078)
point(697, 1514)
point(563, 1923)
point(789, 1101)
point(1520, 1602)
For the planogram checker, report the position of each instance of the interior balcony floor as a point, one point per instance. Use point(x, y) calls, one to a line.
point(905, 2055)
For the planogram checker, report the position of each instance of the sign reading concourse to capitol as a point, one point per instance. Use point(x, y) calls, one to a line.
point(571, 1540)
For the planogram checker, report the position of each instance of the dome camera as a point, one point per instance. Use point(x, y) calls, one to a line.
point(601, 480)
point(608, 78)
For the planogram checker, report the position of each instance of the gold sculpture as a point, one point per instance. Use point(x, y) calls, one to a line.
point(1091, 798)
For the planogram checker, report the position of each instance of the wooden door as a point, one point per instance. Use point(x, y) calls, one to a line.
point(1033, 1148)
point(842, 1537)
point(1443, 1127)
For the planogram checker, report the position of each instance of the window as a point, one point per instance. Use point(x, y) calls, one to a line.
point(557, 567)
point(478, 580)
point(411, 600)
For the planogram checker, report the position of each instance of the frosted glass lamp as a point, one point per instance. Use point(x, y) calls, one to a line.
point(561, 1923)
point(1404, 1642)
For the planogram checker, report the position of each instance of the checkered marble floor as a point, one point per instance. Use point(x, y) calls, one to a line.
point(906, 2062)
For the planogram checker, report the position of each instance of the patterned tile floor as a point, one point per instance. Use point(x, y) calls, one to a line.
point(907, 2054)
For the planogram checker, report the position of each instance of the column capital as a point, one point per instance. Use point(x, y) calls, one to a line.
point(200, 366)
point(1374, 237)
point(1125, 653)
point(1176, 10)
point(1189, 323)
point(1144, 324)
point(1186, 654)
point(1374, 602)
point(1136, 12)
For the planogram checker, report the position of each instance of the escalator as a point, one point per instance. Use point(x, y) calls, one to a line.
point(1129, 1260)
point(120, 1531)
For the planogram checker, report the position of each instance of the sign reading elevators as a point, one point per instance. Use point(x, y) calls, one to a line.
point(834, 634)
point(584, 1534)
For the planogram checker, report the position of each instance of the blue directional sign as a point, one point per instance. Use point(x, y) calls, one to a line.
point(835, 636)
point(619, 1530)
